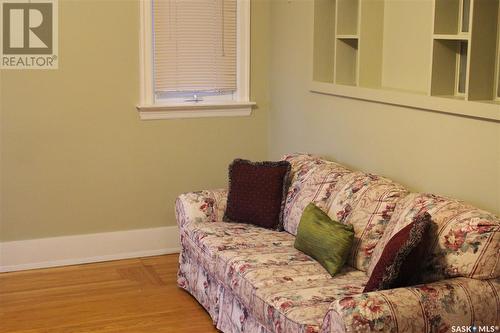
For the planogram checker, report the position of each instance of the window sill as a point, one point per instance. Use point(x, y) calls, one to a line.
point(195, 110)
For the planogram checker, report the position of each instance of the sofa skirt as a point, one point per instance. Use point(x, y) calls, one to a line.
point(196, 276)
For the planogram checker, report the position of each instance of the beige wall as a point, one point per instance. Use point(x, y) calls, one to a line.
point(426, 151)
point(76, 159)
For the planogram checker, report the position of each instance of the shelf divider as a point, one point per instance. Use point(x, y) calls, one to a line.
point(347, 36)
point(452, 36)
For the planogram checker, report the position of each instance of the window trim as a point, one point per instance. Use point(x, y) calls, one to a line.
point(241, 106)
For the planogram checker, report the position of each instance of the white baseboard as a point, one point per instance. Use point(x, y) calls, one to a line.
point(81, 249)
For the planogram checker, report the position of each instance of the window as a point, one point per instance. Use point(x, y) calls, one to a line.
point(195, 58)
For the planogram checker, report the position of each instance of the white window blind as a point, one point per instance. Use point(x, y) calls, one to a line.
point(194, 46)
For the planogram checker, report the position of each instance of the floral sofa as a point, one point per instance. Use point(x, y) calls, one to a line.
point(251, 279)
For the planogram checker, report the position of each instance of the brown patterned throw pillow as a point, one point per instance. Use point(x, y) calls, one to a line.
point(402, 256)
point(257, 192)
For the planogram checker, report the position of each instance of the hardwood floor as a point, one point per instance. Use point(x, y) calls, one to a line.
point(134, 295)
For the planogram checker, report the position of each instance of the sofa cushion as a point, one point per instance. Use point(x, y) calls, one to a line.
point(285, 289)
point(326, 240)
point(314, 186)
point(212, 238)
point(364, 200)
point(302, 164)
point(401, 258)
point(464, 240)
point(257, 192)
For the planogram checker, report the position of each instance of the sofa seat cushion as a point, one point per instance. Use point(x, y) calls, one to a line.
point(214, 237)
point(285, 289)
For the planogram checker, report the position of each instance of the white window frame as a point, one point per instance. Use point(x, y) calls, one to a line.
point(240, 106)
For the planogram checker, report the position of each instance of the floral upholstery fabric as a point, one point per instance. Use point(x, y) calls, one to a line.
point(201, 206)
point(286, 290)
point(465, 240)
point(281, 288)
point(364, 200)
point(258, 273)
point(315, 186)
point(302, 165)
point(367, 202)
point(227, 312)
point(252, 280)
point(214, 238)
point(435, 307)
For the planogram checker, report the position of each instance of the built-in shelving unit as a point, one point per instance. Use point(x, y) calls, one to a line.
point(376, 50)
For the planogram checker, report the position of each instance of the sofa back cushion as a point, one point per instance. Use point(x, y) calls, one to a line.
point(310, 184)
point(367, 202)
point(302, 164)
point(364, 200)
point(464, 240)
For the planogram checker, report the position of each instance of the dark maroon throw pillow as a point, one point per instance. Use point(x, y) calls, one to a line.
point(257, 192)
point(402, 257)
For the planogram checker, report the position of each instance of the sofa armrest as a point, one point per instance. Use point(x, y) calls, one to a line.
point(434, 307)
point(202, 206)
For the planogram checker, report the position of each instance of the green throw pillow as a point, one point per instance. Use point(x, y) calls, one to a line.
point(324, 239)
